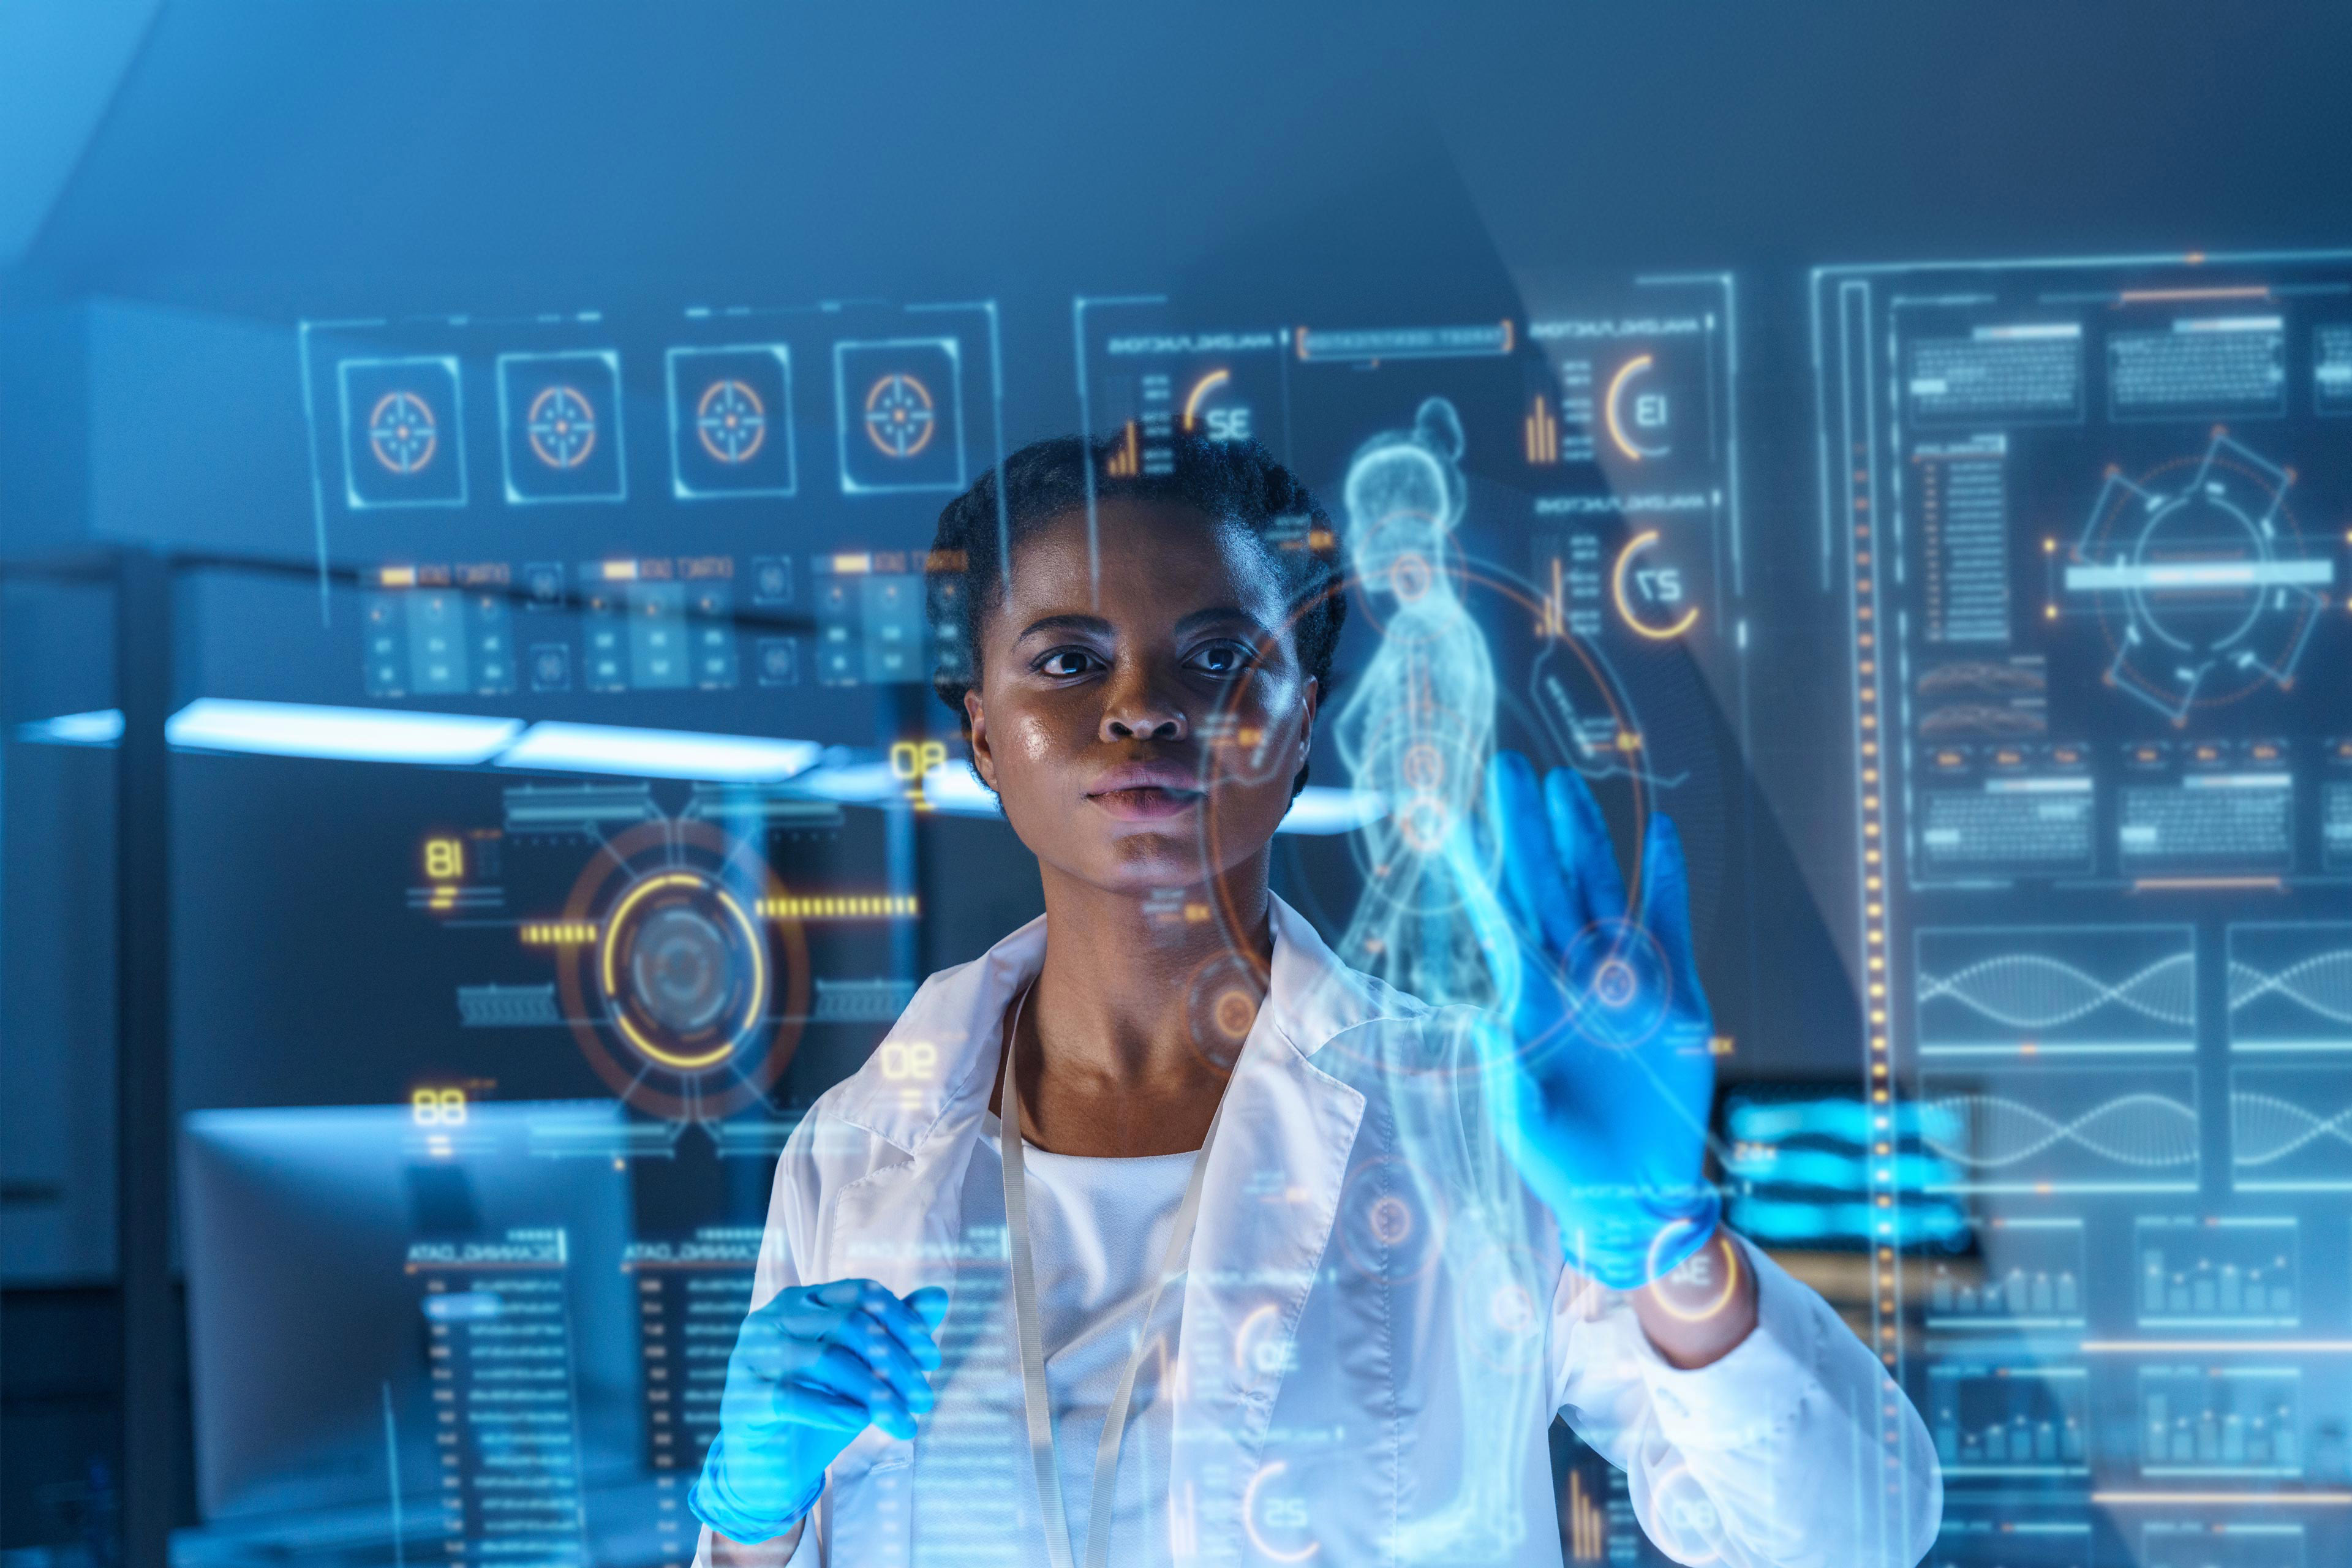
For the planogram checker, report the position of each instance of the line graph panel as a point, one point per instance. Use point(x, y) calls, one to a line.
point(2290, 987)
point(2291, 1129)
point(2066, 1130)
point(2056, 991)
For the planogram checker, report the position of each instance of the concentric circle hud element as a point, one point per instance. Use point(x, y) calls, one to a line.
point(731, 422)
point(403, 432)
point(672, 978)
point(561, 426)
point(560, 415)
point(899, 420)
point(730, 418)
point(898, 404)
point(2202, 582)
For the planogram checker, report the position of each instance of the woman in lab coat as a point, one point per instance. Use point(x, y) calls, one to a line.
point(1158, 1235)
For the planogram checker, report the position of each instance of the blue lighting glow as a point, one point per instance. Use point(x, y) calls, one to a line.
point(103, 727)
point(355, 734)
point(659, 753)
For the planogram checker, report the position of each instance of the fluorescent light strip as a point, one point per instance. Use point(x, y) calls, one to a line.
point(101, 727)
point(459, 740)
point(659, 753)
point(351, 735)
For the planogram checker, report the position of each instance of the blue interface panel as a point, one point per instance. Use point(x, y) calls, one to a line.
point(492, 486)
point(2090, 518)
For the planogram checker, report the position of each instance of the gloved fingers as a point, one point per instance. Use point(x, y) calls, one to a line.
point(804, 1404)
point(1580, 834)
point(1534, 879)
point(883, 1352)
point(1665, 911)
point(905, 1325)
point(823, 1306)
point(839, 1370)
point(929, 1304)
point(828, 1412)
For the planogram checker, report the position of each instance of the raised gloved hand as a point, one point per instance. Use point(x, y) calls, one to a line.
point(811, 1369)
point(1609, 1031)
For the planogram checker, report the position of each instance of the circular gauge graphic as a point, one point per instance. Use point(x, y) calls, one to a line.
point(731, 422)
point(687, 998)
point(899, 416)
point(1635, 410)
point(401, 432)
point(1217, 409)
point(1392, 1224)
point(2199, 578)
point(562, 425)
point(1222, 1007)
point(1651, 596)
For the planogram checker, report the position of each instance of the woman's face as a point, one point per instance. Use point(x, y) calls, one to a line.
point(1141, 723)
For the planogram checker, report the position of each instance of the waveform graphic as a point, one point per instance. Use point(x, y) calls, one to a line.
point(2033, 991)
point(2321, 983)
point(2149, 1132)
point(2266, 1129)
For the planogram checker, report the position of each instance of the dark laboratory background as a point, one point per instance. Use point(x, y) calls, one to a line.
point(465, 476)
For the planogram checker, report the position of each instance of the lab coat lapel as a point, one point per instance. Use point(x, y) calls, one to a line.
point(921, 1094)
point(1268, 1201)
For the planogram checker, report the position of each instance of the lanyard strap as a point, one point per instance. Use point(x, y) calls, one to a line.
point(1028, 1331)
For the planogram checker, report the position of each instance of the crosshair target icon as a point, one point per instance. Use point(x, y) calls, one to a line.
point(562, 425)
point(731, 422)
point(899, 417)
point(402, 433)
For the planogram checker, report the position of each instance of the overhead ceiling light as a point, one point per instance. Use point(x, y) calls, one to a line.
point(659, 753)
point(357, 734)
point(101, 727)
point(957, 790)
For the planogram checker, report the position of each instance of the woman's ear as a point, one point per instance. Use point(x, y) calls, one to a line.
point(1312, 701)
point(975, 734)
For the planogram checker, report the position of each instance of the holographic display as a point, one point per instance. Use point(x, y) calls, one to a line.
point(1538, 516)
point(669, 498)
point(2089, 520)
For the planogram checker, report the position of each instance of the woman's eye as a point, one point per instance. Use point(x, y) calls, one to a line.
point(1065, 661)
point(1222, 659)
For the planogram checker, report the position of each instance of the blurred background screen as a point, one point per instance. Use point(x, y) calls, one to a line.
point(469, 777)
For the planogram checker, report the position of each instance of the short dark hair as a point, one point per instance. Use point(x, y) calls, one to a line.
point(1235, 483)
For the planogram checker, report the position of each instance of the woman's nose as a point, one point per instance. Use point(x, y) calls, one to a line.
point(1135, 708)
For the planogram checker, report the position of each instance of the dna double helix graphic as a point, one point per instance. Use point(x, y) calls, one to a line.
point(2149, 1132)
point(2321, 983)
point(2265, 1129)
point(2033, 991)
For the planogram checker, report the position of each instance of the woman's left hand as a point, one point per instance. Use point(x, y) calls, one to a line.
point(1613, 1073)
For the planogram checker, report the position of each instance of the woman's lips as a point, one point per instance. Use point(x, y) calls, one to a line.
point(1147, 803)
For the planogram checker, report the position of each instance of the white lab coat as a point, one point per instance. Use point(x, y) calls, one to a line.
point(1380, 1394)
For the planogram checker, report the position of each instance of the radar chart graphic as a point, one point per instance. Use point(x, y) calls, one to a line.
point(401, 432)
point(731, 422)
point(562, 425)
point(2200, 579)
point(899, 416)
point(685, 994)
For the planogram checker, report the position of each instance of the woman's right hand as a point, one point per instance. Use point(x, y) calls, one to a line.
point(811, 1369)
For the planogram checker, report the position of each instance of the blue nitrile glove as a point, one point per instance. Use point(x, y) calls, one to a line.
point(812, 1370)
point(1610, 1033)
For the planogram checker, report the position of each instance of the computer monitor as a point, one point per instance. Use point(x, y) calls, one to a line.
point(345, 1267)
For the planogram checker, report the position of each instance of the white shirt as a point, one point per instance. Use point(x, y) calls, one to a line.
point(1377, 1322)
point(1098, 1234)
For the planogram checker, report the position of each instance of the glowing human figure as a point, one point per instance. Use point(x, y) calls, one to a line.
point(1418, 727)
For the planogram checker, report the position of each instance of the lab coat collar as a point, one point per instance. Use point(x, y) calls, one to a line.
point(934, 1068)
point(1268, 1200)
